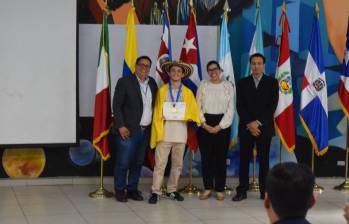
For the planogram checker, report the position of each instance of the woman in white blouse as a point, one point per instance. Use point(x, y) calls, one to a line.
point(215, 98)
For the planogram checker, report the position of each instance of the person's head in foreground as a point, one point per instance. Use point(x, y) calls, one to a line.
point(289, 192)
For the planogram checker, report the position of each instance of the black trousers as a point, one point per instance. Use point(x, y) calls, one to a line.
point(246, 147)
point(214, 149)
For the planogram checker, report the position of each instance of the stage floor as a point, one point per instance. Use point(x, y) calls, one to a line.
point(70, 204)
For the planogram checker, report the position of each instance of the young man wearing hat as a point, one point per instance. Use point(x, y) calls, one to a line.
point(175, 105)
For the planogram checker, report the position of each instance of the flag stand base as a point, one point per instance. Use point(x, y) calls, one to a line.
point(101, 192)
point(343, 186)
point(190, 189)
point(318, 188)
point(254, 186)
point(228, 190)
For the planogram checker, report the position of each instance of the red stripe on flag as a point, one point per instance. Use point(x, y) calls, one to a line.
point(192, 141)
point(102, 122)
point(343, 98)
point(285, 127)
point(284, 49)
point(305, 82)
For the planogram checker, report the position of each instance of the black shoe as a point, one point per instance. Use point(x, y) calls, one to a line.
point(262, 196)
point(153, 199)
point(175, 196)
point(120, 196)
point(239, 197)
point(135, 195)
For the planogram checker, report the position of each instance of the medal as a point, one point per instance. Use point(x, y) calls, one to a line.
point(174, 110)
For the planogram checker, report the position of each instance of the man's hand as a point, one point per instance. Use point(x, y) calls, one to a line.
point(124, 132)
point(253, 128)
point(216, 129)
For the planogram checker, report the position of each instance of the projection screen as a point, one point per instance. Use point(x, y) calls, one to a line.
point(38, 75)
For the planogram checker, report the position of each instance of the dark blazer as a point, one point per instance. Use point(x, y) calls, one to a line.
point(128, 104)
point(257, 104)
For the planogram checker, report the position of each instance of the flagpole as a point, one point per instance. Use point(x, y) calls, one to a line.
point(317, 188)
point(345, 185)
point(190, 188)
point(254, 186)
point(101, 192)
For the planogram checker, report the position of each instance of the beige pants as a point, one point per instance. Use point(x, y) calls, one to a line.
point(162, 151)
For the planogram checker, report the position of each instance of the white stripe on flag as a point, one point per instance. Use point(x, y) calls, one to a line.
point(102, 79)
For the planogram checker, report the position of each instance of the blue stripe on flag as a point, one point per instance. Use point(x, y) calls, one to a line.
point(315, 118)
point(315, 48)
point(126, 71)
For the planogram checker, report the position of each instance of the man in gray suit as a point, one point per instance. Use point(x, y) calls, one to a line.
point(133, 104)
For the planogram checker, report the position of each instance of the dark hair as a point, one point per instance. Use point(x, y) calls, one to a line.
point(143, 57)
point(257, 55)
point(213, 62)
point(290, 189)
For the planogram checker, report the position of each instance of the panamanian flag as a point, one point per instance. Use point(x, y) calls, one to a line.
point(165, 51)
point(191, 54)
point(313, 109)
point(343, 88)
point(102, 121)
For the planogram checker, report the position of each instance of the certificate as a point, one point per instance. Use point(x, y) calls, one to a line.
point(174, 113)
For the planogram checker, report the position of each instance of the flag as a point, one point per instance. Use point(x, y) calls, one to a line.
point(284, 113)
point(102, 117)
point(131, 44)
point(190, 54)
point(313, 109)
point(226, 63)
point(165, 51)
point(343, 88)
point(257, 41)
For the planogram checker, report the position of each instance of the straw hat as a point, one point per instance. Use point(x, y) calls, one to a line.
point(187, 68)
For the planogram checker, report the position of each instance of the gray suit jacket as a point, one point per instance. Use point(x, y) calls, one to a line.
point(128, 104)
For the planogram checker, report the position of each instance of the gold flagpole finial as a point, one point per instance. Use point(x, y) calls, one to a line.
point(226, 6)
point(317, 9)
point(132, 4)
point(257, 4)
point(191, 3)
point(284, 6)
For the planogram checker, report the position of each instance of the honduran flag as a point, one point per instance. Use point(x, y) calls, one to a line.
point(343, 88)
point(102, 117)
point(191, 54)
point(131, 44)
point(284, 113)
point(226, 62)
point(313, 109)
point(165, 51)
point(257, 41)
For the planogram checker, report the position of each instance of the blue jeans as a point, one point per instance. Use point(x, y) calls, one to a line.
point(130, 155)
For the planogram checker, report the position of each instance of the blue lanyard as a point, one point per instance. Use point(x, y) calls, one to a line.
point(178, 94)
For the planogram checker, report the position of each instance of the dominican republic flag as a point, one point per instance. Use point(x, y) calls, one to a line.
point(257, 41)
point(102, 117)
point(284, 114)
point(226, 63)
point(130, 45)
point(165, 51)
point(191, 54)
point(343, 88)
point(313, 109)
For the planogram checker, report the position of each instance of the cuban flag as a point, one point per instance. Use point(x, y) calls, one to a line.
point(102, 121)
point(130, 45)
point(191, 54)
point(343, 88)
point(284, 113)
point(313, 108)
point(226, 62)
point(165, 51)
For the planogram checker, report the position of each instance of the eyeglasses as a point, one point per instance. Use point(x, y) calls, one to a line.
point(212, 69)
point(144, 66)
